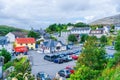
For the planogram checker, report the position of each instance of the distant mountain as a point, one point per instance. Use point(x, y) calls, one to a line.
point(107, 20)
point(6, 29)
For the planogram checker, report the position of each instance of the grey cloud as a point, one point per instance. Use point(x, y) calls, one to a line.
point(23, 13)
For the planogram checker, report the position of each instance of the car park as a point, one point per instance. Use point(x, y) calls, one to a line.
point(43, 76)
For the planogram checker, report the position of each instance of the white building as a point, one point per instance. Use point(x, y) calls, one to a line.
point(13, 35)
point(83, 30)
point(52, 46)
point(107, 29)
point(117, 27)
point(98, 33)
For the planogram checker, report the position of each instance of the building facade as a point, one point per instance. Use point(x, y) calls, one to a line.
point(27, 42)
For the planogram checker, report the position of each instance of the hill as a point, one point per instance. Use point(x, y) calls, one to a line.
point(107, 20)
point(6, 29)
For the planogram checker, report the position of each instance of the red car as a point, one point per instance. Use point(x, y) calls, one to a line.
point(71, 69)
point(74, 57)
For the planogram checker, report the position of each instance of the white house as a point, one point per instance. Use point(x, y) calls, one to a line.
point(13, 35)
point(107, 29)
point(98, 33)
point(117, 27)
point(52, 46)
point(70, 27)
point(83, 30)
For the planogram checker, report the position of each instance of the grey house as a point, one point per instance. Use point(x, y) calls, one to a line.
point(3, 41)
point(51, 46)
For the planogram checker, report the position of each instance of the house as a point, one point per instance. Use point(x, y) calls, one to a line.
point(64, 37)
point(13, 35)
point(3, 42)
point(27, 42)
point(117, 27)
point(98, 33)
point(70, 27)
point(82, 30)
point(107, 29)
point(52, 46)
point(56, 35)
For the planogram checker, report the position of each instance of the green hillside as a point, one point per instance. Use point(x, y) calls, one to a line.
point(6, 29)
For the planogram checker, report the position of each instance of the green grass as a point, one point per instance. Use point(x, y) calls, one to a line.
point(6, 29)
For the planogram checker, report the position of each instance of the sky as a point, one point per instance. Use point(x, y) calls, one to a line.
point(41, 13)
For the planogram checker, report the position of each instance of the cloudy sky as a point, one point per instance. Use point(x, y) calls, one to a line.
point(41, 13)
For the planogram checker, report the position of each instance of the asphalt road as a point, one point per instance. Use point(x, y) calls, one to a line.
point(39, 64)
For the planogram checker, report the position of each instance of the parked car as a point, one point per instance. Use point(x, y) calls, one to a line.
point(67, 58)
point(59, 59)
point(64, 73)
point(50, 57)
point(74, 57)
point(71, 68)
point(43, 76)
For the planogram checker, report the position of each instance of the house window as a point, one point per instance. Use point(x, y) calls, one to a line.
point(31, 43)
point(26, 44)
point(20, 43)
point(58, 47)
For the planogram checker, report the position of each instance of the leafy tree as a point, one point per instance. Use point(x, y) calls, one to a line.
point(72, 38)
point(6, 55)
point(84, 37)
point(90, 62)
point(80, 24)
point(33, 34)
point(117, 42)
point(103, 39)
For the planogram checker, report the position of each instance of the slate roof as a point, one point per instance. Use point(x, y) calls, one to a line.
point(3, 40)
point(96, 32)
point(52, 43)
point(19, 34)
point(82, 28)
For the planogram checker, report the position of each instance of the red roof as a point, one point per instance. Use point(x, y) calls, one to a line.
point(25, 40)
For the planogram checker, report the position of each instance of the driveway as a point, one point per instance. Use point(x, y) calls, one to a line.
point(39, 64)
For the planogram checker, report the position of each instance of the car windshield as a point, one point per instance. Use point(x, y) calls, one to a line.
point(43, 75)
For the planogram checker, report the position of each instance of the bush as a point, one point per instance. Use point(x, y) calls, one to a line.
point(6, 55)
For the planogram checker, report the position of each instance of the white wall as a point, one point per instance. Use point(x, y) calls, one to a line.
point(11, 37)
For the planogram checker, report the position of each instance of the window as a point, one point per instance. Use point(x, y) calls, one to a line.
point(26, 44)
point(31, 43)
point(20, 43)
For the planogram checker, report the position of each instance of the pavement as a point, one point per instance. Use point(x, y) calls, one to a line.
point(39, 64)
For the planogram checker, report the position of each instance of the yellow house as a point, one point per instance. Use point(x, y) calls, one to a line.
point(28, 42)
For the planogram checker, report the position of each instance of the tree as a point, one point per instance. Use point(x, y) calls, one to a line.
point(80, 24)
point(33, 34)
point(72, 38)
point(103, 39)
point(117, 42)
point(6, 55)
point(84, 37)
point(90, 62)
